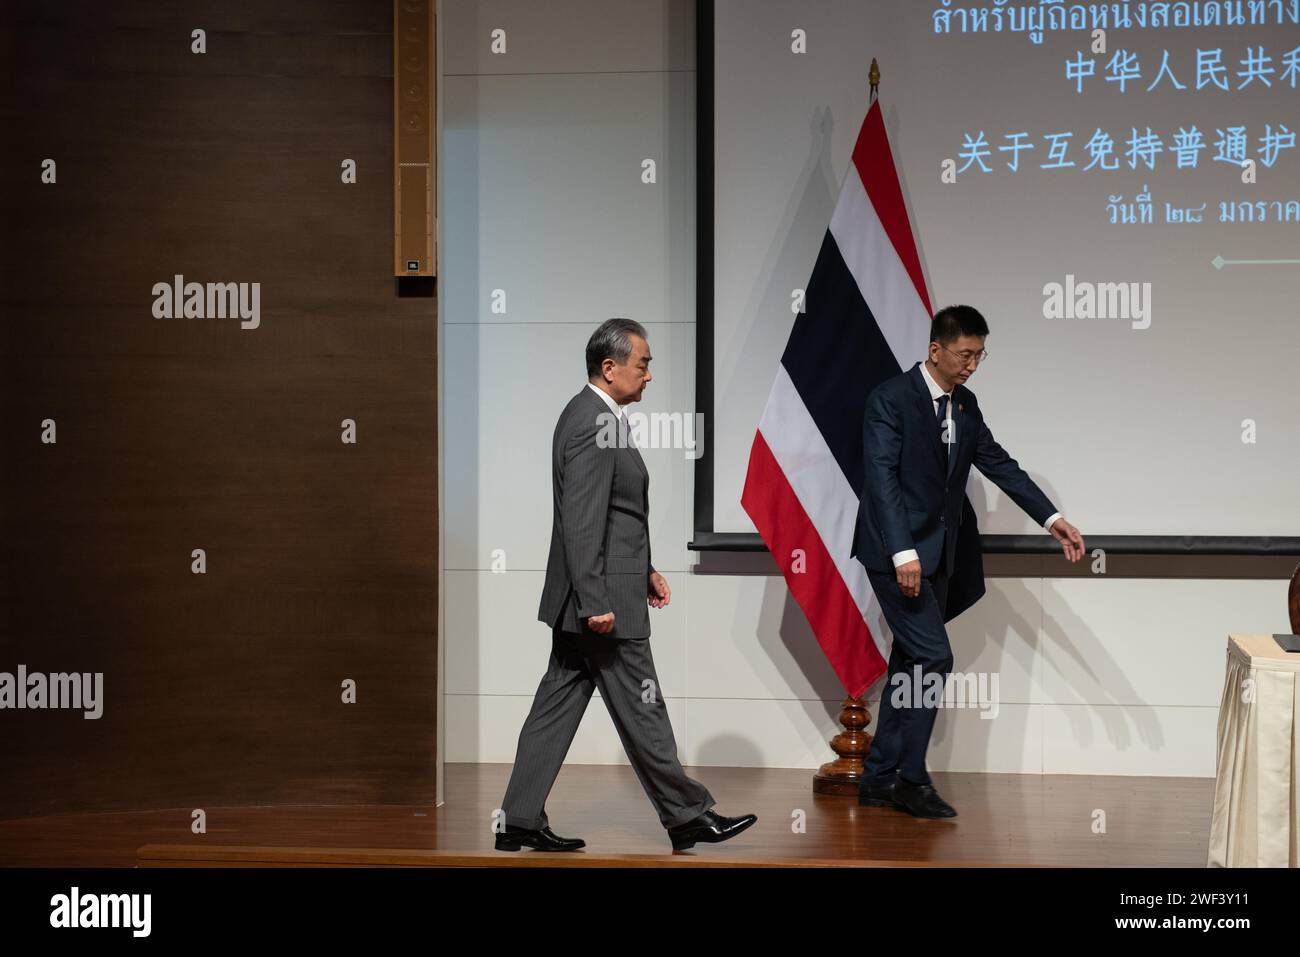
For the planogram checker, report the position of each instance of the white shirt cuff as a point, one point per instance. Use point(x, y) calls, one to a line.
point(905, 556)
point(1050, 519)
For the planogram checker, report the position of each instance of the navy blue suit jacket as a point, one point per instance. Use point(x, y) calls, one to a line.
point(910, 500)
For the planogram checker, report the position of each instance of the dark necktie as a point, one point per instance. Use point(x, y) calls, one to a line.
point(944, 439)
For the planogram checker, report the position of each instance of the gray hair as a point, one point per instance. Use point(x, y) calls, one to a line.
point(611, 341)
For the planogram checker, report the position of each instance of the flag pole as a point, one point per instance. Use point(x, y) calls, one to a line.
point(852, 744)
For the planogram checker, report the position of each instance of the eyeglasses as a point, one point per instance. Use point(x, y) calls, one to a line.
point(967, 358)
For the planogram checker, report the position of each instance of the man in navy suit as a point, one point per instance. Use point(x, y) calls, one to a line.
point(917, 537)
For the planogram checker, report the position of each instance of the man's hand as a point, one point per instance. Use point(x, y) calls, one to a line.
point(1070, 539)
point(601, 624)
point(909, 578)
point(659, 592)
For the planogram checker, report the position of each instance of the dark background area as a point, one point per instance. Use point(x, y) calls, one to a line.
point(322, 558)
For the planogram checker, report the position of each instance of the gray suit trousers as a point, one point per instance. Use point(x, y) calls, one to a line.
point(618, 666)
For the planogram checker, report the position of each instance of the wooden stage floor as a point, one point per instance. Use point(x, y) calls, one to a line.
point(1004, 820)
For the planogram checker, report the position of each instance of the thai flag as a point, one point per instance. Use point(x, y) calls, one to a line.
point(866, 319)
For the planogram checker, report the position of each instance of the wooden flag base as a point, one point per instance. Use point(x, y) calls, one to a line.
point(842, 775)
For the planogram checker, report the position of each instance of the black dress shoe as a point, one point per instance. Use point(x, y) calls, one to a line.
point(709, 827)
point(543, 839)
point(921, 800)
point(877, 793)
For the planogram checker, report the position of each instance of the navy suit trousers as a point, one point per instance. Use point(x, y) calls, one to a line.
point(903, 733)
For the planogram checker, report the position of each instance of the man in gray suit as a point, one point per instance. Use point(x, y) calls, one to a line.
point(599, 582)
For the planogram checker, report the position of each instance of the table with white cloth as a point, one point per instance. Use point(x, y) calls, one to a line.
point(1254, 821)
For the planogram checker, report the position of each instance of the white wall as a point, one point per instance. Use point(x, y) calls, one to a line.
point(542, 161)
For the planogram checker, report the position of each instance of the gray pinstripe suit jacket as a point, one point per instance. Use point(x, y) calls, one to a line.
point(600, 541)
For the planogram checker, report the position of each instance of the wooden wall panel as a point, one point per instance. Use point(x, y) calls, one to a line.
point(415, 161)
point(175, 434)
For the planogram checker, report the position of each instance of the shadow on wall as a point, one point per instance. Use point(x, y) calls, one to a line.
point(1008, 629)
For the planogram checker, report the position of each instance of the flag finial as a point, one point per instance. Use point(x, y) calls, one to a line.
point(873, 75)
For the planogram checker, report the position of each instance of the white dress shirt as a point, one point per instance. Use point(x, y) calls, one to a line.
point(909, 554)
point(609, 399)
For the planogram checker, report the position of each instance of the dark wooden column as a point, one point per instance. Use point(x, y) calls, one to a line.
point(187, 433)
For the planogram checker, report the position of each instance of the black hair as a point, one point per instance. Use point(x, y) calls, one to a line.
point(952, 322)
